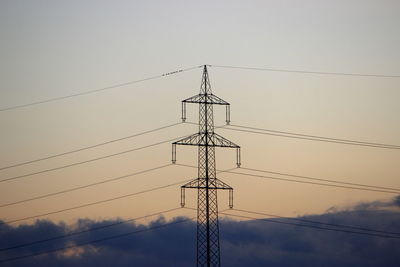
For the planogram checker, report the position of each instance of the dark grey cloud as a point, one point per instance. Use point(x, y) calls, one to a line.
point(250, 243)
point(397, 201)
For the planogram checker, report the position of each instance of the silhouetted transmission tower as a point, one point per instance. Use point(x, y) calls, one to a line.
point(208, 252)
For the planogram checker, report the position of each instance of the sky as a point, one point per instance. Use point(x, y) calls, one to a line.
point(56, 48)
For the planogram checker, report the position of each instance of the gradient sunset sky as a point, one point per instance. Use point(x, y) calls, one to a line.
point(55, 48)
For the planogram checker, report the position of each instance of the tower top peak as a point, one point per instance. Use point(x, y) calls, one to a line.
point(205, 87)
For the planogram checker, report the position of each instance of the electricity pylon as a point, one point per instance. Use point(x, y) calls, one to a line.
point(207, 184)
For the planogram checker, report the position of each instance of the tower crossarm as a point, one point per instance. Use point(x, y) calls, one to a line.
point(223, 142)
point(199, 183)
point(206, 99)
point(199, 139)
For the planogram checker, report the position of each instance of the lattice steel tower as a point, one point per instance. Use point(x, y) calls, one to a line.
point(208, 252)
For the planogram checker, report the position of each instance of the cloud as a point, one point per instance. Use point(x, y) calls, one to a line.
point(396, 201)
point(249, 243)
point(392, 204)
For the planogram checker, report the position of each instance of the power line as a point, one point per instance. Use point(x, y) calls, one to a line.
point(84, 231)
point(87, 161)
point(314, 183)
point(313, 139)
point(309, 137)
point(92, 203)
point(322, 223)
point(355, 142)
point(307, 72)
point(92, 184)
point(383, 233)
point(83, 186)
point(315, 227)
point(303, 182)
point(89, 147)
point(320, 179)
point(96, 90)
point(96, 240)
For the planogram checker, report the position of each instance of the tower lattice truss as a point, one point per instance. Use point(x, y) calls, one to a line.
point(207, 183)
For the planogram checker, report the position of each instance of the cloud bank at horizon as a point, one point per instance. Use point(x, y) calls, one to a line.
point(245, 243)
